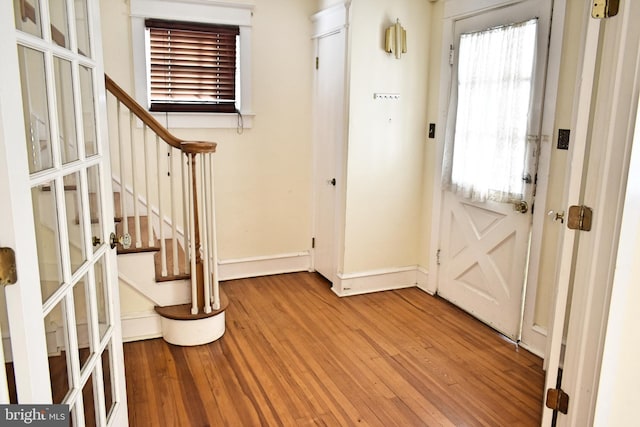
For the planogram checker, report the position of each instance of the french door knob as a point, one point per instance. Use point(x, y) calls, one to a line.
point(124, 240)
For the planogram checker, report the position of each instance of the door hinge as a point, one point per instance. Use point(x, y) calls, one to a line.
point(313, 243)
point(603, 9)
point(580, 218)
point(438, 257)
point(317, 63)
point(451, 54)
point(8, 271)
point(557, 400)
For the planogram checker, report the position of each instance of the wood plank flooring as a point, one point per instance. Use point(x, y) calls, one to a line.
point(294, 354)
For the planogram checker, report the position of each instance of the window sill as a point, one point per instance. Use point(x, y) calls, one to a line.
point(204, 120)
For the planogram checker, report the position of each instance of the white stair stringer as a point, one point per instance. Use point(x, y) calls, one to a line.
point(137, 271)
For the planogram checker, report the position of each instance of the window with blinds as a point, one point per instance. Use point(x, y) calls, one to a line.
point(192, 67)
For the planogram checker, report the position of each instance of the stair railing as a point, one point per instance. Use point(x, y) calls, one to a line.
point(166, 197)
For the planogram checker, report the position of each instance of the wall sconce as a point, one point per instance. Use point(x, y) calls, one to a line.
point(395, 40)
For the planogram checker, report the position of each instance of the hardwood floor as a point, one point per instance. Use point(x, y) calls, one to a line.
point(296, 354)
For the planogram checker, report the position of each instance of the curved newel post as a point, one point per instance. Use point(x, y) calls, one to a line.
point(200, 246)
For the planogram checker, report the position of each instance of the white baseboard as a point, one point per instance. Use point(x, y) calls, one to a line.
point(534, 340)
point(422, 279)
point(263, 266)
point(531, 349)
point(375, 281)
point(141, 326)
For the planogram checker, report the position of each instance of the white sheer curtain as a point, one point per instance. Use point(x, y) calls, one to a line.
point(484, 159)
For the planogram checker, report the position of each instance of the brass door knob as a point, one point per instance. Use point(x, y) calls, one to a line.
point(521, 206)
point(124, 240)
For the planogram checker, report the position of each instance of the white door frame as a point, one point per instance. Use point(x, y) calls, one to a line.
point(619, 373)
point(609, 121)
point(326, 22)
point(453, 11)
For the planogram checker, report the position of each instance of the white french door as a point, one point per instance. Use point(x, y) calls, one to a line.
point(60, 320)
point(485, 234)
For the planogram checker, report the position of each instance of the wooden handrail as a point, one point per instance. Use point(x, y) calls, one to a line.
point(192, 150)
point(153, 124)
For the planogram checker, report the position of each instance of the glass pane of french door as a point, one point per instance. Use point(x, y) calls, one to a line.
point(71, 214)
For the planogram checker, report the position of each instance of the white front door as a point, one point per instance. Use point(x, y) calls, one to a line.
point(498, 66)
point(329, 122)
point(60, 320)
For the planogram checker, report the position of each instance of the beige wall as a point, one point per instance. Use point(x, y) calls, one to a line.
point(263, 176)
point(386, 137)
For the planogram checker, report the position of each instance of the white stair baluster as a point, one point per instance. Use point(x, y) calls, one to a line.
point(192, 243)
point(123, 185)
point(186, 203)
point(212, 237)
point(174, 215)
point(205, 233)
point(147, 185)
point(161, 150)
point(136, 205)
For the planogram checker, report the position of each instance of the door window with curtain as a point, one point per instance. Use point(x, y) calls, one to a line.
point(485, 158)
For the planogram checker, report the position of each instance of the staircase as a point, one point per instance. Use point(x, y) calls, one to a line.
point(165, 221)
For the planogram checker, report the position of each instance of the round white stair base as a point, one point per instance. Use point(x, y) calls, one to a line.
point(193, 332)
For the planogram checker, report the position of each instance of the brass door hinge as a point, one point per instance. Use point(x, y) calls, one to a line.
point(580, 218)
point(8, 272)
point(557, 400)
point(317, 63)
point(603, 9)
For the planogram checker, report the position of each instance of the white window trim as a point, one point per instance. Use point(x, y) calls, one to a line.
point(202, 11)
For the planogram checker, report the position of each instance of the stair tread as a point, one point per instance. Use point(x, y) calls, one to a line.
point(183, 311)
point(144, 237)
